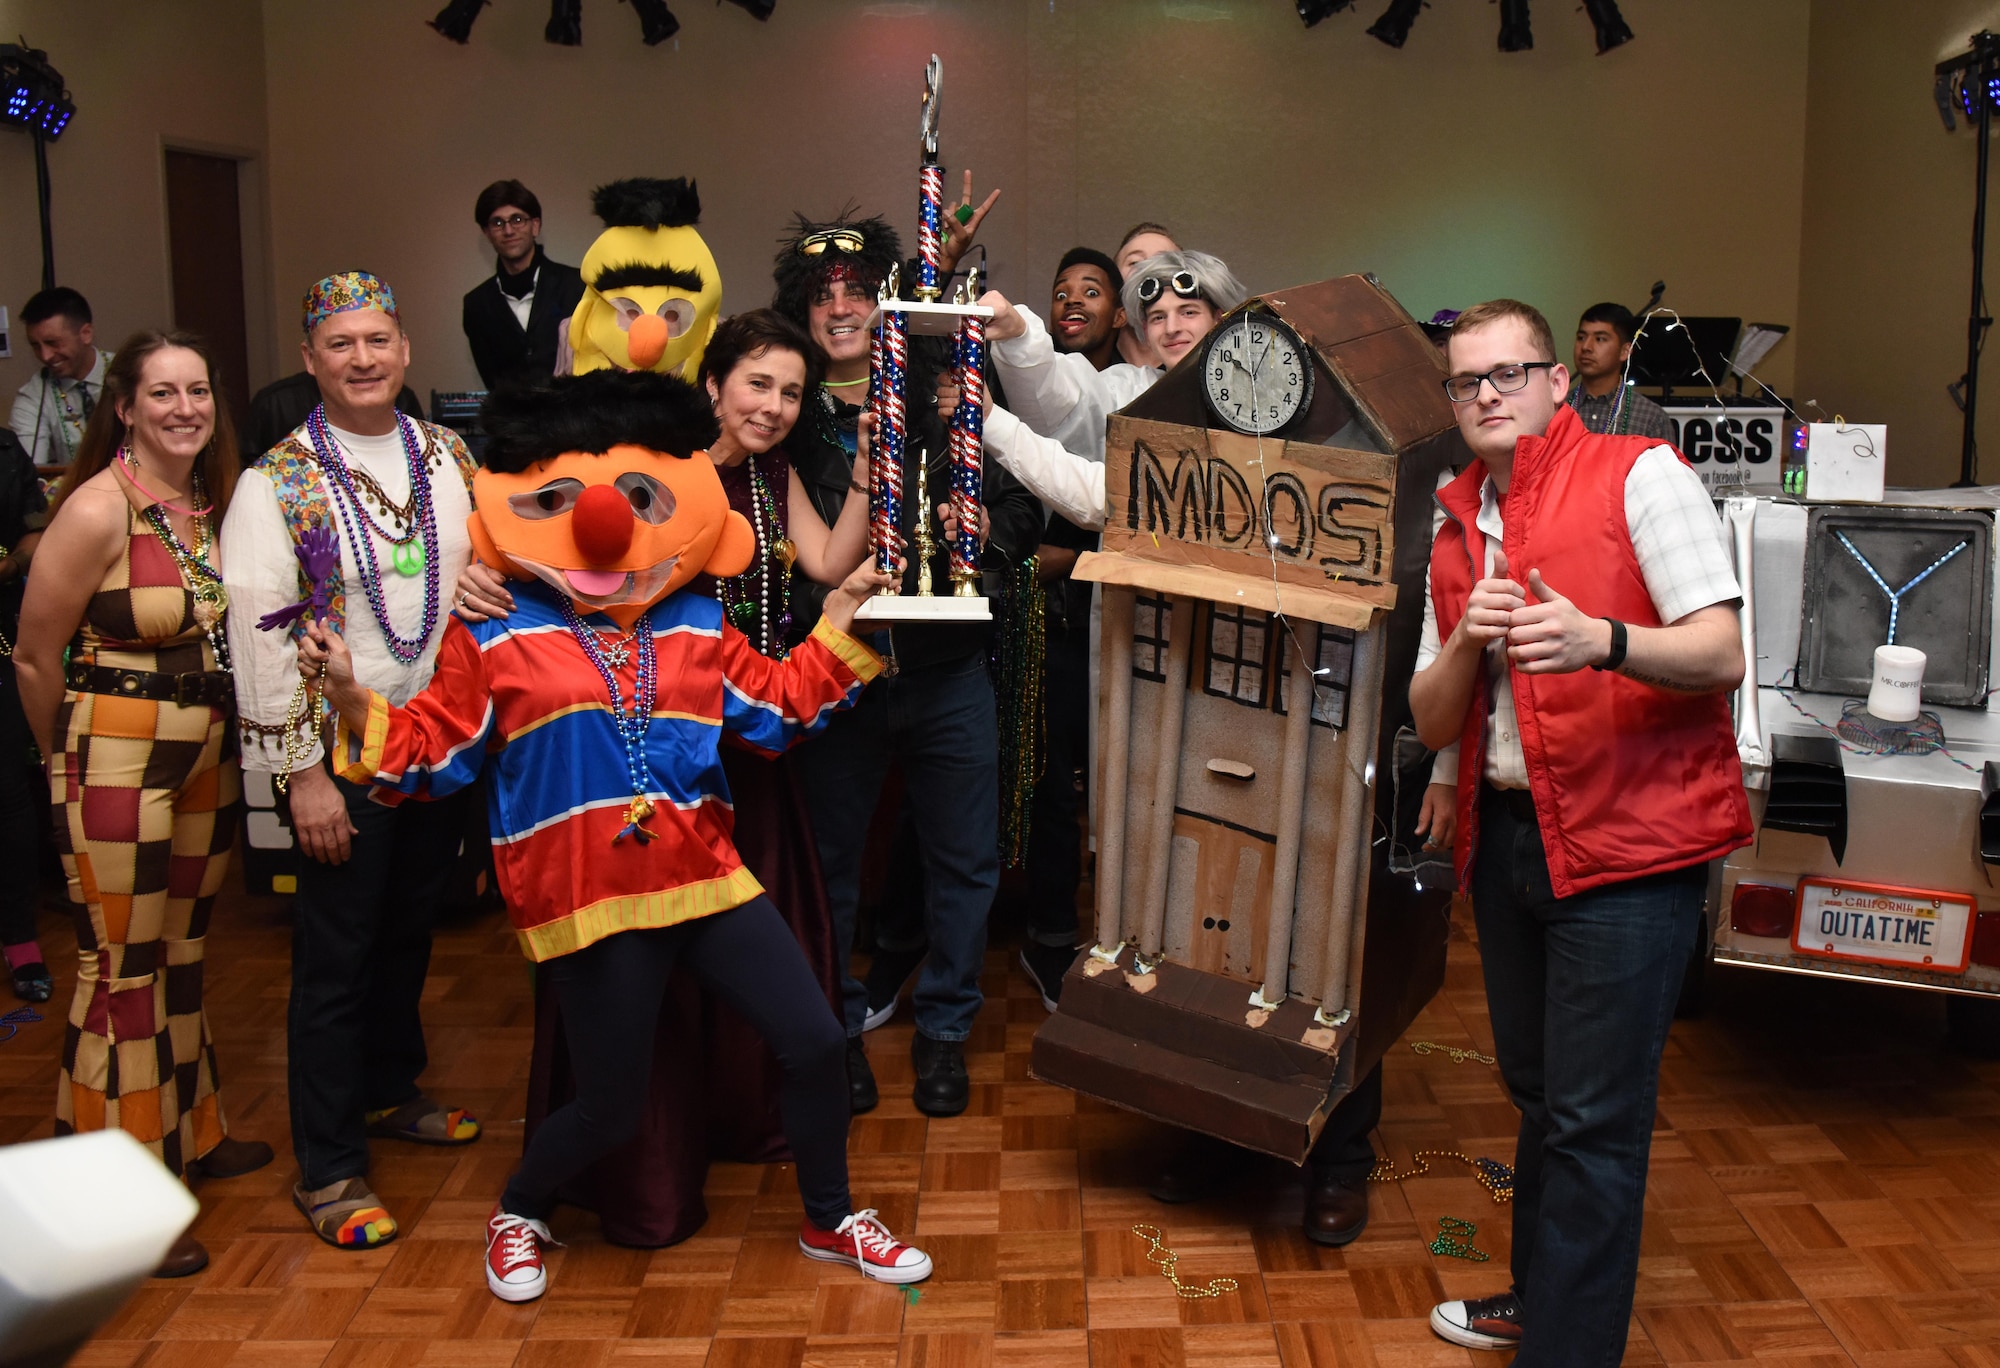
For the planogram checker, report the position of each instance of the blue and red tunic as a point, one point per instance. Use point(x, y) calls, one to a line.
point(520, 699)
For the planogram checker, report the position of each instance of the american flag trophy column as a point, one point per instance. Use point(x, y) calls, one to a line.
point(928, 314)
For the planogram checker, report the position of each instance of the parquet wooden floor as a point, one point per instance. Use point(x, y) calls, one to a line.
point(1825, 1189)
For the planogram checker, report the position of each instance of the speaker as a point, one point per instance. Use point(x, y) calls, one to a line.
point(1929, 569)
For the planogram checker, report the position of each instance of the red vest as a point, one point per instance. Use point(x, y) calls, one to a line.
point(1627, 779)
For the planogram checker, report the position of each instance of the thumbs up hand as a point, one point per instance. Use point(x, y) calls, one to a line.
point(1490, 608)
point(1553, 635)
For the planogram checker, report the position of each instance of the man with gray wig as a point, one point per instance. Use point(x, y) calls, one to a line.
point(1053, 442)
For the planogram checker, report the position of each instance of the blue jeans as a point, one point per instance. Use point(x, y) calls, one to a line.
point(939, 723)
point(1581, 992)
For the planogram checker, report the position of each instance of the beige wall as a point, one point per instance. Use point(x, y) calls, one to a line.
point(1886, 260)
point(1452, 170)
point(146, 75)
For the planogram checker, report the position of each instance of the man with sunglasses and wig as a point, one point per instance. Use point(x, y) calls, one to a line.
point(933, 711)
point(1580, 644)
point(514, 318)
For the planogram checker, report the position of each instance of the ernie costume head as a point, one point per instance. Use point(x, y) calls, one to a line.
point(651, 287)
point(591, 485)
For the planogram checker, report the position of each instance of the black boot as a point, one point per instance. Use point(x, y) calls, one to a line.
point(861, 1093)
point(942, 1087)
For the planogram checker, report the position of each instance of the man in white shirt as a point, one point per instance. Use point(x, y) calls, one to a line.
point(1056, 448)
point(50, 411)
point(394, 493)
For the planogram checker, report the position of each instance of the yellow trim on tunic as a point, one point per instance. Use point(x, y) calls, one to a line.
point(855, 656)
point(637, 912)
point(374, 738)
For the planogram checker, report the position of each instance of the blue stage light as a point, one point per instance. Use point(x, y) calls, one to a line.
point(33, 92)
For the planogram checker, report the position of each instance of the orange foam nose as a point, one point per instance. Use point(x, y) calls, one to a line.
point(602, 524)
point(646, 343)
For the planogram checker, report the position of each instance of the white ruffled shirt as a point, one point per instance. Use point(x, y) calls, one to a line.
point(262, 575)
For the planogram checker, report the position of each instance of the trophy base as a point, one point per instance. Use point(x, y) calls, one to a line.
point(930, 317)
point(912, 608)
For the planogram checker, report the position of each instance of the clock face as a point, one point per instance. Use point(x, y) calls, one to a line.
point(1257, 374)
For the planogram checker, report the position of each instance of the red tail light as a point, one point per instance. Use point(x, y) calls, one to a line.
point(1986, 940)
point(1763, 910)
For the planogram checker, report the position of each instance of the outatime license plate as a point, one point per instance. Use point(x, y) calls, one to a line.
point(1877, 924)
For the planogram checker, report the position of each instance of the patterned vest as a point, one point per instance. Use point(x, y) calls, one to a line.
point(293, 471)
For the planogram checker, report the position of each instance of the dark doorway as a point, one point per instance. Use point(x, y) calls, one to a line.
point(205, 233)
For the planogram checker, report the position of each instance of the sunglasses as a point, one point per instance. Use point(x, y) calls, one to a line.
point(842, 239)
point(1182, 283)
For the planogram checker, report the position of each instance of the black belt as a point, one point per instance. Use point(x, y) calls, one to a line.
point(215, 688)
point(1519, 803)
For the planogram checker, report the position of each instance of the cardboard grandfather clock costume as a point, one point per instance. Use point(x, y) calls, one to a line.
point(1264, 928)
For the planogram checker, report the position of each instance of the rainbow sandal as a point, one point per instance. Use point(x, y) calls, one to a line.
point(350, 1217)
point(424, 1122)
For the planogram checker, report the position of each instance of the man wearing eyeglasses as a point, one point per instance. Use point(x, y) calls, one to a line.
point(515, 316)
point(1580, 642)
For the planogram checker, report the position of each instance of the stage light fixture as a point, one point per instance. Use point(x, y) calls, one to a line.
point(33, 92)
point(1393, 27)
point(1515, 35)
point(761, 9)
point(1971, 80)
point(1312, 11)
point(1612, 30)
point(565, 26)
point(454, 21)
point(656, 21)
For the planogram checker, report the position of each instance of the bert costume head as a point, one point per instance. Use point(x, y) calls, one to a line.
point(598, 485)
point(651, 288)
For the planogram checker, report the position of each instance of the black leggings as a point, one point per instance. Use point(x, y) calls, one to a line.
point(610, 993)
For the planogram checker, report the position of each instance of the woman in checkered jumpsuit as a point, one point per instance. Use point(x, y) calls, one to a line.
point(138, 734)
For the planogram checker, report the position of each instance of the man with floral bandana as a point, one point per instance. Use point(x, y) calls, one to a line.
point(390, 496)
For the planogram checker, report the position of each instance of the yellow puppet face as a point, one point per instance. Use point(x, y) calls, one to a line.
point(650, 302)
point(615, 533)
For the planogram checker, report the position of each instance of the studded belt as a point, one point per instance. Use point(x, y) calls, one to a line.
point(214, 688)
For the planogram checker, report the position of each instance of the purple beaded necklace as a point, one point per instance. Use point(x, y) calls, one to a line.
point(362, 529)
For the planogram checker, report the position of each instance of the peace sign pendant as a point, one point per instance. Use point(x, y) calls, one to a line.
point(409, 558)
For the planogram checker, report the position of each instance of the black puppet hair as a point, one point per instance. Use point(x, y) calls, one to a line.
point(647, 202)
point(798, 277)
point(533, 420)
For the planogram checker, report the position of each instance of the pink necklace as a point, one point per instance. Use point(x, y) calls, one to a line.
point(132, 473)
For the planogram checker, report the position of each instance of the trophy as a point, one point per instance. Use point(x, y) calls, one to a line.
point(964, 321)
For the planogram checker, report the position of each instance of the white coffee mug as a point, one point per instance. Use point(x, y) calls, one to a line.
point(1898, 690)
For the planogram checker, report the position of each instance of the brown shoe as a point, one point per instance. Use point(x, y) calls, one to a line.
point(1336, 1209)
point(233, 1158)
point(187, 1256)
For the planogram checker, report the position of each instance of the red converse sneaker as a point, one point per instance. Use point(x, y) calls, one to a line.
point(514, 1256)
point(865, 1242)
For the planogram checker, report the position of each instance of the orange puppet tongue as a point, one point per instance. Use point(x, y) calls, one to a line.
point(596, 583)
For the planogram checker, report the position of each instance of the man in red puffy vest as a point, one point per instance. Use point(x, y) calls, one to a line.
point(1580, 642)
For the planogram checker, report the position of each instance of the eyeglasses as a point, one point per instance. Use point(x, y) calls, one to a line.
point(496, 223)
point(1182, 283)
point(844, 239)
point(1463, 389)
